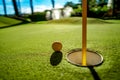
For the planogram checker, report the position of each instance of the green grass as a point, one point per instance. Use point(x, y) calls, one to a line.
point(78, 20)
point(5, 21)
point(25, 51)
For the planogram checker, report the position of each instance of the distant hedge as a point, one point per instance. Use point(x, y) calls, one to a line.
point(98, 11)
point(38, 16)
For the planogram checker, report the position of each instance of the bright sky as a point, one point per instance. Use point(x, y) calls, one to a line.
point(39, 5)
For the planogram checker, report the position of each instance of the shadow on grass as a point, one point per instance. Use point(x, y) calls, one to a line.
point(94, 73)
point(56, 58)
point(3, 27)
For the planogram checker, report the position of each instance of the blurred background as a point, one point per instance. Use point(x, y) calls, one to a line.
point(39, 10)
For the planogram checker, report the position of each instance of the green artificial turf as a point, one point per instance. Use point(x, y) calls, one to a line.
point(25, 51)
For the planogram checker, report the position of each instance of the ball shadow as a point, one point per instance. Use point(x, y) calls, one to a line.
point(56, 58)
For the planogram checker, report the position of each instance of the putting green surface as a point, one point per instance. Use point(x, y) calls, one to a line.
point(25, 51)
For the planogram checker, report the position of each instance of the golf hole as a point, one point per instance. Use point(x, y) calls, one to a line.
point(92, 58)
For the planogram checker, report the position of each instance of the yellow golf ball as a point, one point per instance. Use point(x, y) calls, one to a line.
point(57, 46)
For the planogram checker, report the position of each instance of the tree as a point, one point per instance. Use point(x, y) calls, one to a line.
point(31, 6)
point(114, 5)
point(71, 4)
point(90, 4)
point(53, 3)
point(15, 7)
point(19, 7)
point(102, 2)
point(4, 5)
point(116, 8)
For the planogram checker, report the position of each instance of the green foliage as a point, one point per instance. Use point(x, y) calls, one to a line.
point(71, 4)
point(38, 16)
point(98, 11)
point(77, 11)
point(91, 3)
point(104, 8)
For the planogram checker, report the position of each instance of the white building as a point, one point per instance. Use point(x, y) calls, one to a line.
point(56, 14)
point(59, 13)
point(67, 11)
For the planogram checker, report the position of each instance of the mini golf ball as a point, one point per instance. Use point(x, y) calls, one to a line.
point(57, 46)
